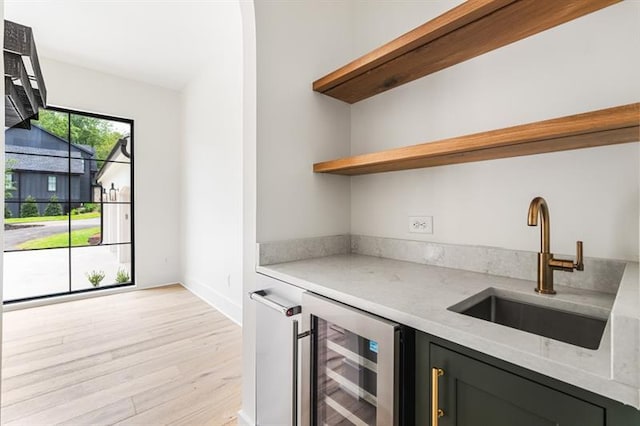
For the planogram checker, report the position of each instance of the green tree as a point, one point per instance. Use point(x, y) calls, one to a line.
point(94, 132)
point(54, 122)
point(53, 208)
point(7, 212)
point(91, 131)
point(29, 208)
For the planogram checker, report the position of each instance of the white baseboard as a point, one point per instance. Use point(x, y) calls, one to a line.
point(244, 420)
point(220, 302)
point(146, 286)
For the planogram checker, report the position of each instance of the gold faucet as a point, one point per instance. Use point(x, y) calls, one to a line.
point(546, 262)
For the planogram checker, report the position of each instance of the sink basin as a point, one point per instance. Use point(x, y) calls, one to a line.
point(569, 327)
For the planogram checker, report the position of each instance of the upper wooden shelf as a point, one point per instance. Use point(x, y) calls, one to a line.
point(603, 127)
point(464, 32)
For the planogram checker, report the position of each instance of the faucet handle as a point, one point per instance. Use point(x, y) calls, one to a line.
point(579, 265)
point(568, 265)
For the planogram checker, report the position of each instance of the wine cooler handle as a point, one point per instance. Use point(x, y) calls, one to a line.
point(436, 412)
point(295, 362)
point(260, 296)
point(294, 400)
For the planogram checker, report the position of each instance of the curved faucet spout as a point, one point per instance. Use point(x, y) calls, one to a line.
point(546, 262)
point(538, 207)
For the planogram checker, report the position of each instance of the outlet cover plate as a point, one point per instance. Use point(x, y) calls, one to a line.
point(421, 224)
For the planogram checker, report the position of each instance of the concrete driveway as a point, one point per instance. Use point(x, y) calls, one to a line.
point(14, 237)
point(42, 272)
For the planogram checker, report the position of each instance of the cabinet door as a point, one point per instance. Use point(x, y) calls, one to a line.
point(472, 393)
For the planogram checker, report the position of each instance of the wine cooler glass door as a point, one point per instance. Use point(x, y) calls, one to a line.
point(352, 378)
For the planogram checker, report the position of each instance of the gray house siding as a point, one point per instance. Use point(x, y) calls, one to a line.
point(35, 155)
point(36, 185)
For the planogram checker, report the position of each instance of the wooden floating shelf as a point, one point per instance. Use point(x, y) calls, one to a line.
point(464, 32)
point(597, 128)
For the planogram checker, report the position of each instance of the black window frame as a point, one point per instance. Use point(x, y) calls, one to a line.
point(131, 202)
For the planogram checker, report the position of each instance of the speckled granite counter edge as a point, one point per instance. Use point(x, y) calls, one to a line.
point(599, 274)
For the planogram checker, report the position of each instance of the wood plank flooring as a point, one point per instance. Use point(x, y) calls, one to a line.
point(149, 357)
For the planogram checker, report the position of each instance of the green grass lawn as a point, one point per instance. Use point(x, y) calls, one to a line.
point(79, 237)
point(52, 218)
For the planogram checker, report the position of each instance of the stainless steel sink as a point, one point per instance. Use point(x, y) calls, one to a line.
point(570, 327)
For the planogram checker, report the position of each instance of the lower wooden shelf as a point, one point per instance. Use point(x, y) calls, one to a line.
point(597, 128)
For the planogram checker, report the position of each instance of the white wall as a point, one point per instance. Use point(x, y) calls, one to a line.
point(155, 112)
point(247, 414)
point(298, 42)
point(580, 66)
point(211, 178)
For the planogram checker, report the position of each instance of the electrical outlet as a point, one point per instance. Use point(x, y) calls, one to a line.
point(421, 224)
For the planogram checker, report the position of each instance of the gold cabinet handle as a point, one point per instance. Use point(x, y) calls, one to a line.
point(436, 412)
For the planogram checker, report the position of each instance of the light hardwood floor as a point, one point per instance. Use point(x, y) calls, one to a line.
point(158, 356)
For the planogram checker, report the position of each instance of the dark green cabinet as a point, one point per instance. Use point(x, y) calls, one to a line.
point(477, 390)
point(473, 393)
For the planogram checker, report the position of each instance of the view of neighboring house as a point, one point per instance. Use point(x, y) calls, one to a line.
point(115, 178)
point(109, 171)
point(40, 165)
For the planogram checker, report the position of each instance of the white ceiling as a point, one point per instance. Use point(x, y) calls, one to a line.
point(161, 42)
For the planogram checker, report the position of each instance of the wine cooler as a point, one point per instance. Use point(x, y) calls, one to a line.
point(351, 366)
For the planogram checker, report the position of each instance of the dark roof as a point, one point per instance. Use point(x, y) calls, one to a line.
point(38, 163)
point(18, 149)
point(85, 148)
point(120, 145)
point(36, 159)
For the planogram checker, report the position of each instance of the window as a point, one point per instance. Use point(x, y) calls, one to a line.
point(51, 184)
point(58, 167)
point(8, 181)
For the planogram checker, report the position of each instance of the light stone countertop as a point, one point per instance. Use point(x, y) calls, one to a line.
point(418, 296)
